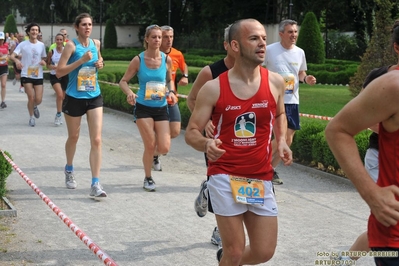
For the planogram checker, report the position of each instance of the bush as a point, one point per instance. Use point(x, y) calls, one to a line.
point(11, 25)
point(110, 36)
point(310, 39)
point(334, 71)
point(5, 171)
point(304, 139)
point(184, 112)
point(114, 98)
point(341, 46)
point(310, 145)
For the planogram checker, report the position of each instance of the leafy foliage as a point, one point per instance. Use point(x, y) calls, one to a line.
point(110, 36)
point(379, 52)
point(5, 171)
point(310, 40)
point(341, 46)
point(304, 139)
point(10, 25)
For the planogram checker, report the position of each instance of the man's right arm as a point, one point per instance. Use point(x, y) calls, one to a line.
point(203, 76)
point(14, 56)
point(204, 106)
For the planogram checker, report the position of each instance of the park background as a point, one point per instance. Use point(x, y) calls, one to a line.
point(343, 41)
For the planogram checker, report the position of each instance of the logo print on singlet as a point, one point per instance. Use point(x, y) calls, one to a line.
point(245, 125)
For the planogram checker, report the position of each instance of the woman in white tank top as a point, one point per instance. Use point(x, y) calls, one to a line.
point(59, 84)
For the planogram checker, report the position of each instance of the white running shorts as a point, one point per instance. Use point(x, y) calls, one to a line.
point(223, 203)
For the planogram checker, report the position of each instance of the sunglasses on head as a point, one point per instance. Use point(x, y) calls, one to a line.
point(152, 26)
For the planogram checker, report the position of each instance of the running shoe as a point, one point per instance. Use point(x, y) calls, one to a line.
point(97, 191)
point(36, 112)
point(14, 81)
point(201, 202)
point(276, 179)
point(57, 120)
point(156, 164)
point(3, 105)
point(70, 180)
point(219, 254)
point(149, 184)
point(21, 90)
point(32, 122)
point(215, 239)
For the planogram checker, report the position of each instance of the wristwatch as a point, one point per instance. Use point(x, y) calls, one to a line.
point(185, 75)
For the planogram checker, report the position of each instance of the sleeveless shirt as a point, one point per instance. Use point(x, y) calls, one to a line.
point(388, 159)
point(146, 75)
point(245, 127)
point(80, 50)
point(218, 68)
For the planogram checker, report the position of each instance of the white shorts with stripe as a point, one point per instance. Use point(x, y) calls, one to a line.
point(223, 203)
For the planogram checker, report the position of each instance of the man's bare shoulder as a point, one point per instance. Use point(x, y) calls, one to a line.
point(212, 84)
point(205, 73)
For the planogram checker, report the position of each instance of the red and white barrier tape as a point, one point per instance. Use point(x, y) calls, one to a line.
point(107, 260)
point(316, 116)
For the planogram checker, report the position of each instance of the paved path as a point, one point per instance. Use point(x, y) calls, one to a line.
point(318, 212)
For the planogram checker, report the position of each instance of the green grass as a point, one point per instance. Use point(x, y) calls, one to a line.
point(325, 100)
point(115, 66)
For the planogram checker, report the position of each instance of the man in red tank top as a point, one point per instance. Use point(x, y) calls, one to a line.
point(378, 103)
point(246, 105)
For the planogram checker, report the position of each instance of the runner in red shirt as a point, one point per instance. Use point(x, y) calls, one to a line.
point(246, 104)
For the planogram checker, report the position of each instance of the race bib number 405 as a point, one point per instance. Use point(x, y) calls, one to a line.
point(247, 190)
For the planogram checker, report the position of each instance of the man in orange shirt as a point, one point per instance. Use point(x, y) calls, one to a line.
point(178, 63)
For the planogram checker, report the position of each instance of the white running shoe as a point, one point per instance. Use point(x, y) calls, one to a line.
point(156, 164)
point(32, 122)
point(97, 191)
point(57, 120)
point(149, 184)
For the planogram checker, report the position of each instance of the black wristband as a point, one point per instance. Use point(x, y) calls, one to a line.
point(304, 79)
point(172, 92)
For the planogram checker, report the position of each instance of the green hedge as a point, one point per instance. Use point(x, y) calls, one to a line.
point(5, 171)
point(310, 145)
point(333, 71)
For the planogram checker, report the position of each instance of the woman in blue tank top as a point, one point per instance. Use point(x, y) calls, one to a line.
point(81, 60)
point(154, 71)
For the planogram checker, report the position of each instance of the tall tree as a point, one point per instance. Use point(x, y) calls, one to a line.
point(310, 39)
point(10, 26)
point(65, 11)
point(7, 7)
point(379, 52)
point(110, 36)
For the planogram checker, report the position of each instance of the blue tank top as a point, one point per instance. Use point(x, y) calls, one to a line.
point(152, 83)
point(83, 81)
